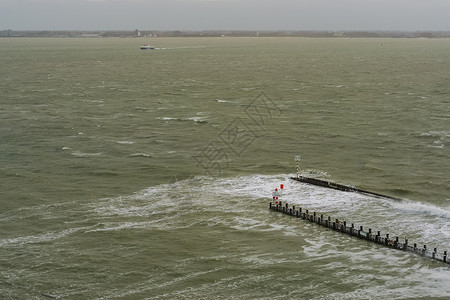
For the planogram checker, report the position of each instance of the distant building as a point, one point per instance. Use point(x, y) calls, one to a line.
point(6, 33)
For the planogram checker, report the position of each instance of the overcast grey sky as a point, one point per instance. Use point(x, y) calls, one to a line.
point(333, 15)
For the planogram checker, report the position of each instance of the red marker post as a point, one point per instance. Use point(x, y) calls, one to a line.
point(275, 195)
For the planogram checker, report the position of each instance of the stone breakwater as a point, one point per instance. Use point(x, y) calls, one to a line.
point(341, 187)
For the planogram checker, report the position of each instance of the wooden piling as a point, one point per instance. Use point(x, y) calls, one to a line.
point(342, 227)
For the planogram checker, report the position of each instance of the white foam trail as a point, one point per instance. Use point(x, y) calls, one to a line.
point(84, 154)
point(167, 118)
point(45, 237)
point(422, 223)
point(139, 154)
point(125, 142)
point(196, 119)
point(422, 209)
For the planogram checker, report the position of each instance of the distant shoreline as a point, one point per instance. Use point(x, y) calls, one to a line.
point(223, 33)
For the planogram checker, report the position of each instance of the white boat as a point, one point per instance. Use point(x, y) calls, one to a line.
point(147, 47)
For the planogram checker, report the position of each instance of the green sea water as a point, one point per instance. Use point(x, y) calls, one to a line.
point(130, 174)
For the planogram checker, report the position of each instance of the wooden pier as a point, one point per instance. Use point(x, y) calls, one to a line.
point(340, 187)
point(372, 236)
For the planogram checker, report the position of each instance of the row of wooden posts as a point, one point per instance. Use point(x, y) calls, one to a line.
point(341, 226)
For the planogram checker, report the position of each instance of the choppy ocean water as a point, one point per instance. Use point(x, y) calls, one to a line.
point(129, 174)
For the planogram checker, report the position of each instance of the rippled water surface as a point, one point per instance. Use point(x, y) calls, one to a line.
point(129, 174)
